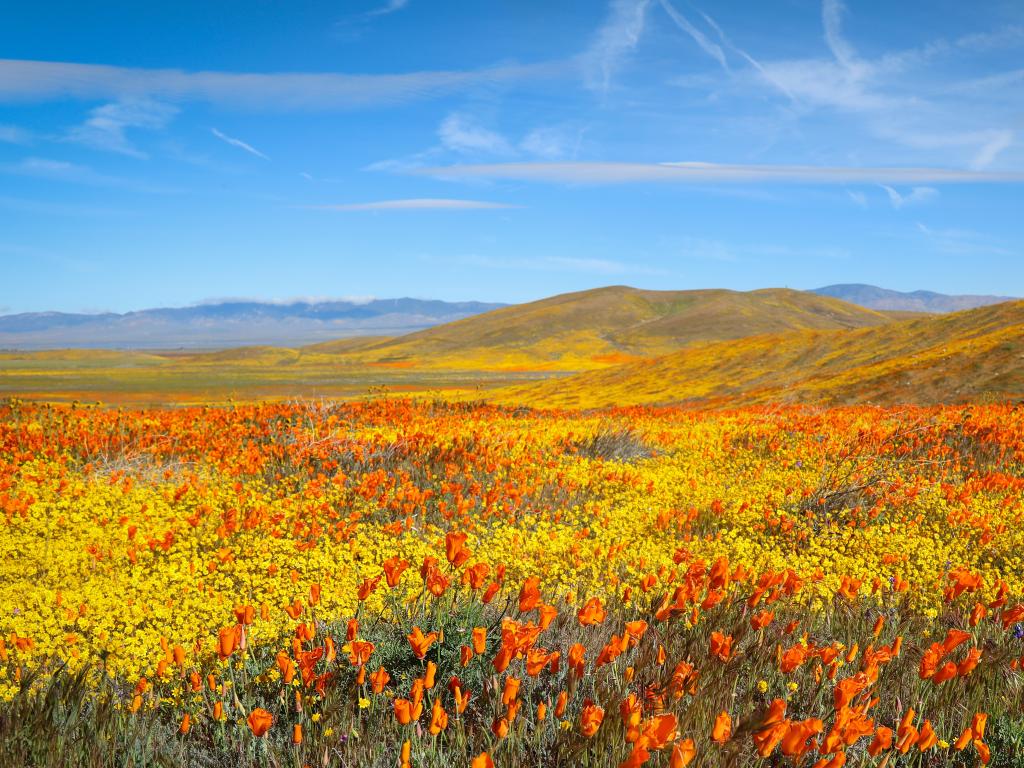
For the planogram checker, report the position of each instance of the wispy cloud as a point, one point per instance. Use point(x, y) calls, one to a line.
point(461, 133)
point(26, 80)
point(107, 125)
point(895, 96)
point(988, 151)
point(711, 249)
point(50, 208)
point(286, 301)
point(701, 173)
point(859, 198)
point(238, 143)
point(605, 267)
point(614, 41)
point(962, 241)
point(388, 8)
point(712, 49)
point(414, 204)
point(915, 195)
point(43, 167)
point(13, 134)
point(832, 18)
point(74, 173)
point(552, 142)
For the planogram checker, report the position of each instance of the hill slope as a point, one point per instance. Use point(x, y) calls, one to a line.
point(952, 358)
point(873, 297)
point(597, 328)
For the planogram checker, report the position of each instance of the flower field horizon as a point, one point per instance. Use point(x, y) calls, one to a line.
point(402, 582)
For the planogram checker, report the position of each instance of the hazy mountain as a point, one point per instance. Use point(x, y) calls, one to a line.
point(231, 323)
point(873, 297)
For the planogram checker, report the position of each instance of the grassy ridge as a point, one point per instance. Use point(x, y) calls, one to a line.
point(950, 358)
point(591, 329)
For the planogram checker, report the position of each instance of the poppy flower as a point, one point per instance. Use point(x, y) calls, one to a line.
point(403, 711)
point(260, 721)
point(420, 643)
point(591, 718)
point(591, 613)
point(720, 646)
point(529, 594)
point(722, 729)
point(881, 742)
point(379, 679)
point(393, 569)
point(683, 753)
point(438, 718)
point(455, 549)
point(560, 703)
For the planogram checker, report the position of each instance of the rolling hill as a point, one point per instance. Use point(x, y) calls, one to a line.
point(607, 326)
point(873, 297)
point(957, 357)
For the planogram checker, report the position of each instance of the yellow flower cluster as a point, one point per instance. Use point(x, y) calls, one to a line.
point(123, 529)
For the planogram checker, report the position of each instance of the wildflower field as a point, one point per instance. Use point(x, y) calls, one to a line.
point(411, 583)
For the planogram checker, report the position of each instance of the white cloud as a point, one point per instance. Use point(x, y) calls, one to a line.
point(107, 125)
point(552, 142)
point(238, 143)
point(12, 134)
point(916, 195)
point(285, 302)
point(962, 241)
point(414, 204)
point(614, 41)
point(706, 249)
point(897, 97)
point(999, 141)
point(388, 8)
point(711, 49)
point(26, 80)
point(832, 19)
point(702, 173)
point(561, 264)
point(61, 170)
point(858, 197)
point(460, 133)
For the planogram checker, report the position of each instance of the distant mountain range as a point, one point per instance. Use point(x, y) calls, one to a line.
point(231, 323)
point(571, 331)
point(873, 297)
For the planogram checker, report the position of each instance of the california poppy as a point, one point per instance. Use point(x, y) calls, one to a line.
point(260, 721)
point(590, 718)
point(722, 730)
point(420, 643)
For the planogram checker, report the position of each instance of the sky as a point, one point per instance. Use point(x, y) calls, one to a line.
point(163, 154)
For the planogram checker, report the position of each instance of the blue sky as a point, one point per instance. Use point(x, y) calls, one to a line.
point(156, 154)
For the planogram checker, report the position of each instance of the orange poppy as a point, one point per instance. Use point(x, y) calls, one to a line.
point(529, 594)
point(722, 730)
point(683, 753)
point(260, 721)
point(590, 718)
point(592, 613)
point(421, 643)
